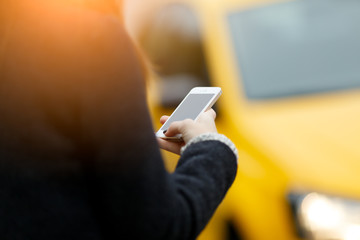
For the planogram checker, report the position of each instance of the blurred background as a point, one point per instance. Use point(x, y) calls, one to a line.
point(290, 75)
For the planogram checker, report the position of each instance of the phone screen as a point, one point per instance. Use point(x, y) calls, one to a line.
point(192, 105)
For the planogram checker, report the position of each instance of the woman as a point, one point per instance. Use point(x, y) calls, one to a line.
point(78, 155)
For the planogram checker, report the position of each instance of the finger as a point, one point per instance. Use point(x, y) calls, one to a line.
point(173, 147)
point(173, 129)
point(178, 127)
point(207, 116)
point(163, 119)
point(211, 113)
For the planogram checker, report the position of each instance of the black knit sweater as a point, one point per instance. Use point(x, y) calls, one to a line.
point(78, 156)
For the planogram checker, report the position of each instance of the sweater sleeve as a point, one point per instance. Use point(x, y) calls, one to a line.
point(86, 87)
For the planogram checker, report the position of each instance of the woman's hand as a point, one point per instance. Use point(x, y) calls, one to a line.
point(188, 129)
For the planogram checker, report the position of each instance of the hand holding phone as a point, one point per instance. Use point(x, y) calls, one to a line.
point(197, 101)
point(189, 129)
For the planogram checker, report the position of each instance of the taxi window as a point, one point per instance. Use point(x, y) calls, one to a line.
point(297, 47)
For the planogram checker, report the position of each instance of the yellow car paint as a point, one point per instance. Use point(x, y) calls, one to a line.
point(308, 142)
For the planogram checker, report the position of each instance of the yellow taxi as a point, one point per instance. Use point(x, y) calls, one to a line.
point(290, 75)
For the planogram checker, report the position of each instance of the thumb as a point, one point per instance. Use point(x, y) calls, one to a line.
point(177, 127)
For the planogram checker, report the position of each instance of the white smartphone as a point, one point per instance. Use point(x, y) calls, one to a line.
point(197, 101)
